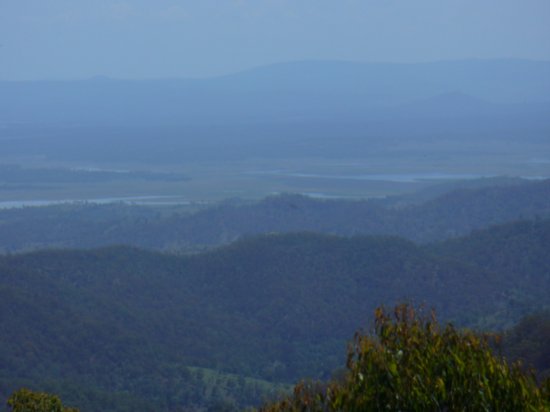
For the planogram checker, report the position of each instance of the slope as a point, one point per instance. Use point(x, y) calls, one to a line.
point(434, 217)
point(127, 322)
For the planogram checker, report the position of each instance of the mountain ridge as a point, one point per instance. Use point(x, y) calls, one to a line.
point(437, 216)
point(273, 307)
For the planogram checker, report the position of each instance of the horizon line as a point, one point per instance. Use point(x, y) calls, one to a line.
point(105, 77)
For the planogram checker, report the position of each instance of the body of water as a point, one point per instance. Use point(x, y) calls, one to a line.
point(397, 177)
point(132, 200)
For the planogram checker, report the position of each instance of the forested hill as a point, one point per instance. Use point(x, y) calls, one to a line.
point(121, 326)
point(498, 249)
point(449, 214)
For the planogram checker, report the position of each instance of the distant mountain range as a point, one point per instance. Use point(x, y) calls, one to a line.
point(506, 81)
point(289, 91)
point(283, 110)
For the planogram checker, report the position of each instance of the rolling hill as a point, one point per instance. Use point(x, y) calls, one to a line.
point(128, 324)
point(425, 217)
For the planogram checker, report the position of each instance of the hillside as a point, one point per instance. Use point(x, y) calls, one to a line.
point(518, 251)
point(429, 216)
point(277, 307)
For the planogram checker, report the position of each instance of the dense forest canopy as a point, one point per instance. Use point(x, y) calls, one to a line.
point(271, 309)
point(412, 363)
point(435, 214)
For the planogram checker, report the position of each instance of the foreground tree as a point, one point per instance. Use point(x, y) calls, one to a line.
point(413, 364)
point(25, 400)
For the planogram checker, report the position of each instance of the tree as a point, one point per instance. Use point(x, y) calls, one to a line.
point(413, 364)
point(25, 400)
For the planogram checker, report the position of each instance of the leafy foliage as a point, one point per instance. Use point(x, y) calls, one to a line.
point(25, 400)
point(413, 364)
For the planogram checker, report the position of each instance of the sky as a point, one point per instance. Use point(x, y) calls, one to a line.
point(73, 39)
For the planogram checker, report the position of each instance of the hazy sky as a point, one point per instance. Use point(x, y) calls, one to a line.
point(145, 38)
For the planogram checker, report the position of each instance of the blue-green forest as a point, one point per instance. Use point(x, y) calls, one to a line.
point(311, 235)
point(234, 316)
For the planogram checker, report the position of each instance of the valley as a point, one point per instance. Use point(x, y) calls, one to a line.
point(202, 245)
point(257, 313)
